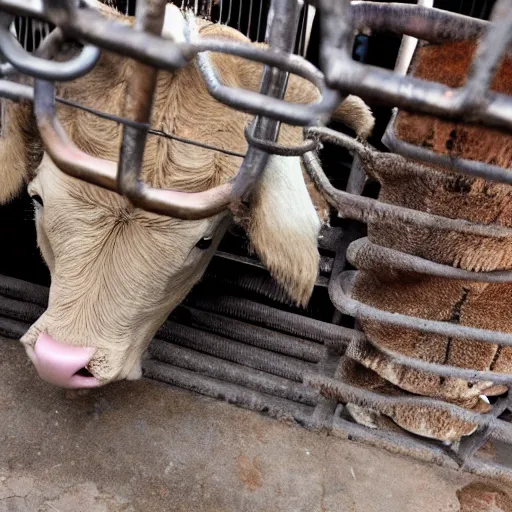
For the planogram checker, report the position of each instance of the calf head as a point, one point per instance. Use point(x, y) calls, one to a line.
point(117, 271)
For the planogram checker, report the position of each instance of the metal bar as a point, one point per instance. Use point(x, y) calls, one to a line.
point(365, 255)
point(16, 92)
point(236, 352)
point(425, 23)
point(249, 334)
point(346, 393)
point(273, 107)
point(488, 56)
point(450, 162)
point(387, 163)
point(358, 348)
point(138, 105)
point(259, 21)
point(229, 12)
point(234, 373)
point(248, 31)
point(41, 68)
point(276, 319)
point(342, 301)
point(469, 446)
point(403, 444)
point(369, 210)
point(231, 393)
point(325, 264)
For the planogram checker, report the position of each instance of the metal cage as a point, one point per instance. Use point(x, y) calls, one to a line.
point(263, 356)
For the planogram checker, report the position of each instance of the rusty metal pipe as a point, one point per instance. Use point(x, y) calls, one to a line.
point(103, 173)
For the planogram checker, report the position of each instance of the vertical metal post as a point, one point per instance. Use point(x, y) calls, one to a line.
point(281, 32)
point(149, 17)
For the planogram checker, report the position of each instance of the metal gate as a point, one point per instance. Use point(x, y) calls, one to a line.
point(267, 357)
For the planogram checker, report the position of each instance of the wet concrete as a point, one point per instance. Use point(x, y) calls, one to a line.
point(142, 446)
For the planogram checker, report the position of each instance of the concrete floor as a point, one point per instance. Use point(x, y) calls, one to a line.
point(141, 446)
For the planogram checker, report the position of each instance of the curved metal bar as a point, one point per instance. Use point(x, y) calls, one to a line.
point(381, 161)
point(274, 148)
point(264, 55)
point(349, 306)
point(367, 210)
point(469, 167)
point(366, 255)
point(340, 139)
point(426, 23)
point(332, 388)
point(273, 108)
point(357, 346)
point(41, 68)
point(76, 163)
point(411, 93)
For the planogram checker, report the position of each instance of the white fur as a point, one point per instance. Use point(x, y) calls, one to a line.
point(174, 24)
point(285, 226)
point(286, 190)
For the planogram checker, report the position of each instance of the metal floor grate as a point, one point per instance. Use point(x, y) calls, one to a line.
point(254, 356)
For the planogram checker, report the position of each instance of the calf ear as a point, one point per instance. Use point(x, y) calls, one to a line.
point(283, 227)
point(17, 127)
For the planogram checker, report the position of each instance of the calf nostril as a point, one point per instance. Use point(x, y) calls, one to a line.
point(84, 372)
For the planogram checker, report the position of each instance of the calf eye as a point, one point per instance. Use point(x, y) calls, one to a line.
point(204, 243)
point(38, 199)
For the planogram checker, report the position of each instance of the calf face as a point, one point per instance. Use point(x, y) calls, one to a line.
point(117, 271)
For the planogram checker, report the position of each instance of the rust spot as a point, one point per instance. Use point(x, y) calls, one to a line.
point(249, 472)
point(479, 497)
point(261, 433)
point(487, 451)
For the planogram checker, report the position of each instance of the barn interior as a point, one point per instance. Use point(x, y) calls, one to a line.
point(161, 444)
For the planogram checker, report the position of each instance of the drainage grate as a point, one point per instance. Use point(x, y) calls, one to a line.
point(245, 347)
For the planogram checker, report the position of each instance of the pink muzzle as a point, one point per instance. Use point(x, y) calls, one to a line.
point(62, 365)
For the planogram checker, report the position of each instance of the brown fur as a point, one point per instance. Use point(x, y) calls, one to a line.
point(473, 304)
